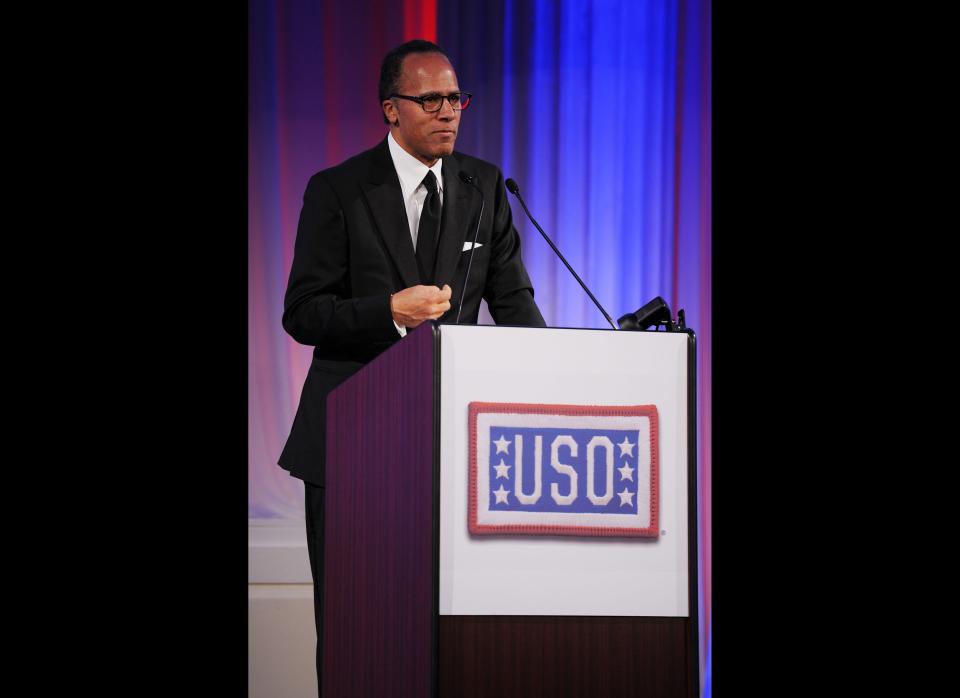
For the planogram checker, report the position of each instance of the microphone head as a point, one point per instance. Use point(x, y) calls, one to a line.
point(467, 179)
point(512, 187)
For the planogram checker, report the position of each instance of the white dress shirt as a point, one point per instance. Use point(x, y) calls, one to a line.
point(411, 173)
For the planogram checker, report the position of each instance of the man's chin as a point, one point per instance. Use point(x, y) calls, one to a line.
point(436, 151)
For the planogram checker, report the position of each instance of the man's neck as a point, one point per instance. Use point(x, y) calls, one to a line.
point(395, 132)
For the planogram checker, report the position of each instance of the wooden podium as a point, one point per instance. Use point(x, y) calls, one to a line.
point(416, 605)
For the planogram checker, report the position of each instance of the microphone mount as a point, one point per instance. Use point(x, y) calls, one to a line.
point(470, 180)
point(654, 314)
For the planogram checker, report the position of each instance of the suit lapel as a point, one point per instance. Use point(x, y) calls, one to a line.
point(385, 199)
point(458, 207)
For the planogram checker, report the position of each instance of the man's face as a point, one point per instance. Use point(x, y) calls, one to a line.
point(426, 136)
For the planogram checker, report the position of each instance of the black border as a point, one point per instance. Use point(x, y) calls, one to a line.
point(153, 477)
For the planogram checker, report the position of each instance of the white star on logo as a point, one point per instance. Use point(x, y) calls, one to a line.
point(626, 448)
point(626, 472)
point(501, 495)
point(502, 444)
point(626, 498)
point(502, 469)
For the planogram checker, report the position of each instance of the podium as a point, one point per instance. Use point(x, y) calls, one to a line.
point(459, 564)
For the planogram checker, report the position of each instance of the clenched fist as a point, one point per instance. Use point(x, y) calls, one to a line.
point(413, 305)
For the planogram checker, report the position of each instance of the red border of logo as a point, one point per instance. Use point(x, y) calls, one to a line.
point(650, 411)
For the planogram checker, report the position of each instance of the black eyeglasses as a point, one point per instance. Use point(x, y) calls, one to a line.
point(434, 101)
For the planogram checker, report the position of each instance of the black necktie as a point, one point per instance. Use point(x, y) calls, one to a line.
point(429, 229)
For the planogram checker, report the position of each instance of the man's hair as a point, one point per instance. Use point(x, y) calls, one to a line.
point(392, 67)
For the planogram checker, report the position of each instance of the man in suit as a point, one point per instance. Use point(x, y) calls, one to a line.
point(383, 245)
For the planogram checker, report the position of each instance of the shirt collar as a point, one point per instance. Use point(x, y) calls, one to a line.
point(410, 170)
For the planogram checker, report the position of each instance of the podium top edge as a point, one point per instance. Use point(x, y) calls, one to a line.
point(689, 332)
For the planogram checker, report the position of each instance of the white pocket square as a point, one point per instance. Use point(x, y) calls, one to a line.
point(468, 245)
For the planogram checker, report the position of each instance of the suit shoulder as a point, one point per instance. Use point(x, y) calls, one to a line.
point(350, 170)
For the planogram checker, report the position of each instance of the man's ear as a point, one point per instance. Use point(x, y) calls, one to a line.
point(390, 111)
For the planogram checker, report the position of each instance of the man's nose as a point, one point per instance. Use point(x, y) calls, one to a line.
point(447, 111)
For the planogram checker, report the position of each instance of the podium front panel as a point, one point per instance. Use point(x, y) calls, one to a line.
point(567, 371)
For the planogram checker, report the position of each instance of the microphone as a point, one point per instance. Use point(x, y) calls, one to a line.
point(470, 179)
point(515, 190)
point(656, 312)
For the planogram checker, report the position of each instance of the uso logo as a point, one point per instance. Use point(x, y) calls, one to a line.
point(573, 470)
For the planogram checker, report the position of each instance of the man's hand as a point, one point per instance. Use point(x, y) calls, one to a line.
point(414, 305)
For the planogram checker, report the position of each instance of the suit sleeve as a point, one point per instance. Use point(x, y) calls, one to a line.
point(508, 291)
point(318, 305)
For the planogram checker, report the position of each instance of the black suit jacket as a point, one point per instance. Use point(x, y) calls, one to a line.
point(353, 250)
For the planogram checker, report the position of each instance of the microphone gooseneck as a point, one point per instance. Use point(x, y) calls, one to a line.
point(470, 180)
point(515, 190)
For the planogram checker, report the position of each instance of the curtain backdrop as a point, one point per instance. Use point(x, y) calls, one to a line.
point(599, 110)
